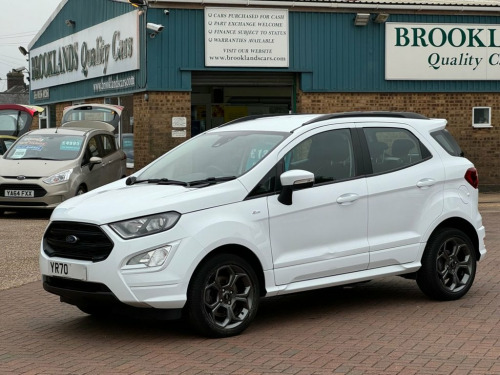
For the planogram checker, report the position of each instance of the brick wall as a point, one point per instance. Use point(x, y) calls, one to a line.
point(153, 124)
point(481, 146)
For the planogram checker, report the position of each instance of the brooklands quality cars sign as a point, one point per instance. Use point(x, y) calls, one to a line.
point(107, 48)
point(442, 52)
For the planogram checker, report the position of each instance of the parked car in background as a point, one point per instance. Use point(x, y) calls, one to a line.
point(115, 115)
point(16, 119)
point(267, 206)
point(5, 142)
point(47, 166)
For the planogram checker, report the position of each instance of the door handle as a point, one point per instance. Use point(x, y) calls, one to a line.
point(426, 183)
point(348, 198)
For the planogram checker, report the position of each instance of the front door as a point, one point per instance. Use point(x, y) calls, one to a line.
point(324, 231)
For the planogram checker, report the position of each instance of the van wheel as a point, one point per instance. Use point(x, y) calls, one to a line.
point(448, 265)
point(223, 296)
point(81, 190)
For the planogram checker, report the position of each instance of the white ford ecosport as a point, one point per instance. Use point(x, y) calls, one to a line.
point(264, 206)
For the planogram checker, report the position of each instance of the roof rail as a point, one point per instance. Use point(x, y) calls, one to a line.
point(367, 114)
point(253, 117)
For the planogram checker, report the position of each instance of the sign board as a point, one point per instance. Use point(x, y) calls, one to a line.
point(41, 94)
point(107, 48)
point(179, 122)
point(246, 37)
point(178, 134)
point(416, 51)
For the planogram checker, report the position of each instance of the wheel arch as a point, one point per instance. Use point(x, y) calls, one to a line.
point(84, 185)
point(464, 226)
point(244, 253)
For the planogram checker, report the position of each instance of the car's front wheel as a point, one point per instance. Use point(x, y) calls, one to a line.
point(448, 265)
point(81, 190)
point(223, 296)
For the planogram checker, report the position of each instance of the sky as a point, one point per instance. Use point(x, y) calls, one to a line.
point(20, 21)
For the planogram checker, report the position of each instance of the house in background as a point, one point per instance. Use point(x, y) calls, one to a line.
point(17, 91)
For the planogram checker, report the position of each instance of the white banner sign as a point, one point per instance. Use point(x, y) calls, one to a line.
point(246, 37)
point(107, 48)
point(442, 51)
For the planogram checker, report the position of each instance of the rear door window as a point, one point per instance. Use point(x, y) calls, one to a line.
point(393, 148)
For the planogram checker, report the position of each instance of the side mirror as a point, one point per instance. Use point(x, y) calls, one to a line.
point(94, 160)
point(294, 180)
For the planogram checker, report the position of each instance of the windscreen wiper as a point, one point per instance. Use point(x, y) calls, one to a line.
point(161, 181)
point(211, 180)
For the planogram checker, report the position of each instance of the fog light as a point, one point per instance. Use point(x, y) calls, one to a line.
point(153, 258)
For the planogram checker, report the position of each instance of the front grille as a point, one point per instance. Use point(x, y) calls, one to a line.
point(37, 189)
point(76, 241)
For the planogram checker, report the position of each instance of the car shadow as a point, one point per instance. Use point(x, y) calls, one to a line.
point(344, 302)
point(27, 214)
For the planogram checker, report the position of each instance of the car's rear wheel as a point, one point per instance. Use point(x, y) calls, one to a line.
point(223, 296)
point(448, 265)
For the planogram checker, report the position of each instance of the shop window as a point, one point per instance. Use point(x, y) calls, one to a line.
point(44, 118)
point(481, 117)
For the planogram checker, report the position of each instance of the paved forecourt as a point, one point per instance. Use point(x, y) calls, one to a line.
point(381, 327)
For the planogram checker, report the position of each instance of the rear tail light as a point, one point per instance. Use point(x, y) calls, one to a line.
point(472, 177)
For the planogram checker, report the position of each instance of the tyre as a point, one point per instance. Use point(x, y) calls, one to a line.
point(81, 190)
point(223, 296)
point(448, 265)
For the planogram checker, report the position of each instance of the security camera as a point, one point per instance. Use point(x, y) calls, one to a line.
point(154, 27)
point(166, 12)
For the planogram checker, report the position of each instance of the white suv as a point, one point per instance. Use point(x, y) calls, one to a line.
point(265, 206)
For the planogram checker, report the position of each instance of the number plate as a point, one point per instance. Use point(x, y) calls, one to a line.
point(20, 193)
point(69, 270)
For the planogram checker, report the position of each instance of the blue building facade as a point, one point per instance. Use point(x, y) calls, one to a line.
point(207, 63)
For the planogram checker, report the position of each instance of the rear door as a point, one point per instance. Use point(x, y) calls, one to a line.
point(405, 192)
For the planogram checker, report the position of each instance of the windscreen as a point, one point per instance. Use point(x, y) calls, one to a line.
point(46, 147)
point(214, 154)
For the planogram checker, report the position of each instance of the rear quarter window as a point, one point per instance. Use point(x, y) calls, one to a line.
point(447, 142)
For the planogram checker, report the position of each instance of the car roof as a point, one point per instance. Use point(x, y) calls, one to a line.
point(64, 131)
point(291, 122)
point(279, 123)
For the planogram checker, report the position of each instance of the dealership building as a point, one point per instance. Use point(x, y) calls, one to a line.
point(182, 67)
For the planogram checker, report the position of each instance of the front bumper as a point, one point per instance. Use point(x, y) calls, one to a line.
point(110, 280)
point(83, 293)
point(45, 196)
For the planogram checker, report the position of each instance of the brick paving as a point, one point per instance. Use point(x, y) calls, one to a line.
point(380, 327)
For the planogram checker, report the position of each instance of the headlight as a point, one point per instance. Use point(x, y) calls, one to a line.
point(58, 177)
point(146, 225)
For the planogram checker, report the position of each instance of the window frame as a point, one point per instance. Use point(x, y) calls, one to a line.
point(475, 119)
